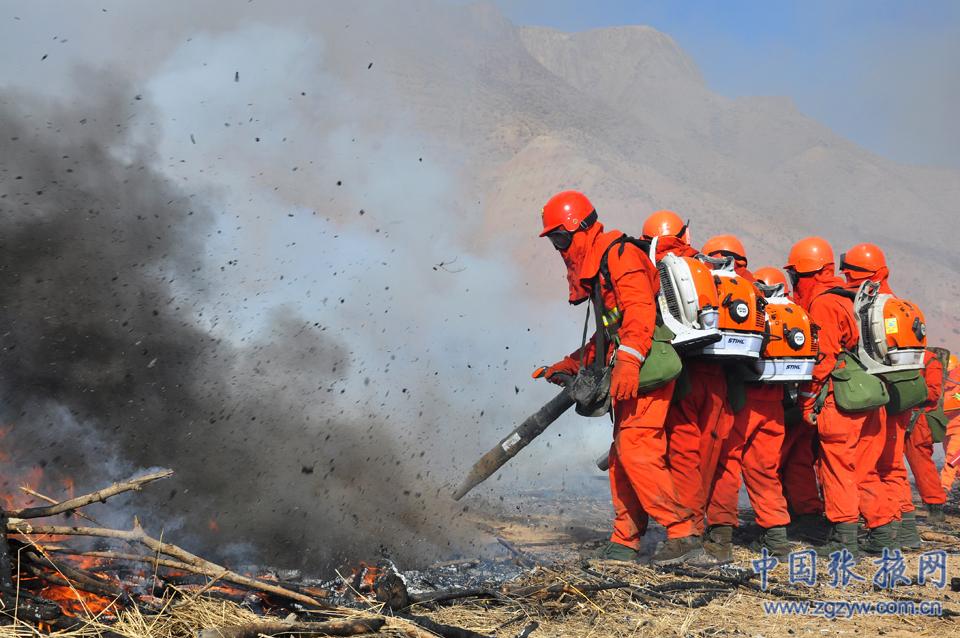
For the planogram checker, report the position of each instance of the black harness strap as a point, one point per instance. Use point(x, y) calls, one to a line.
point(603, 279)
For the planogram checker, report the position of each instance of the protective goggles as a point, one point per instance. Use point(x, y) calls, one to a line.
point(728, 253)
point(795, 276)
point(844, 265)
point(561, 238)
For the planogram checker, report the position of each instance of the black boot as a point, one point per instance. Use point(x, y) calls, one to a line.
point(678, 550)
point(774, 539)
point(935, 513)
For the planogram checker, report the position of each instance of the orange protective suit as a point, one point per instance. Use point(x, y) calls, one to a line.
point(850, 444)
point(951, 450)
point(696, 427)
point(641, 483)
point(698, 423)
point(752, 448)
point(951, 440)
point(798, 476)
point(919, 445)
point(798, 458)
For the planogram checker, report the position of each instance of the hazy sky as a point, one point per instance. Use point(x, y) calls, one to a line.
point(885, 73)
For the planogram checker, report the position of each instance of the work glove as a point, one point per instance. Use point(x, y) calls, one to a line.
point(625, 380)
point(567, 365)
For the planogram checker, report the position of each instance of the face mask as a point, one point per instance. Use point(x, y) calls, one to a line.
point(793, 276)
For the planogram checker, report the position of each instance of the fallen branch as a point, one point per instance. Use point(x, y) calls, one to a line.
point(197, 564)
point(446, 631)
point(643, 593)
point(138, 558)
point(529, 629)
point(937, 537)
point(349, 627)
point(520, 557)
point(445, 595)
point(95, 497)
point(53, 501)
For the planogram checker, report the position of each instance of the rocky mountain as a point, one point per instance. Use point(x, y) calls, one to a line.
point(623, 114)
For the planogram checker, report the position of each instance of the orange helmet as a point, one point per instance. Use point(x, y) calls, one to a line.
point(570, 210)
point(809, 255)
point(725, 245)
point(770, 276)
point(665, 223)
point(862, 260)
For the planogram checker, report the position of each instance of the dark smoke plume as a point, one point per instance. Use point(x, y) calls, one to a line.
point(110, 364)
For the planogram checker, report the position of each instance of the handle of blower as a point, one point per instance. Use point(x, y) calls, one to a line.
point(565, 378)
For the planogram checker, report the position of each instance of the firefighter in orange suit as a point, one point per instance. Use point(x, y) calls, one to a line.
point(752, 448)
point(798, 454)
point(849, 448)
point(698, 422)
point(641, 482)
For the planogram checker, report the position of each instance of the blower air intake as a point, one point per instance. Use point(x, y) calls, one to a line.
point(688, 302)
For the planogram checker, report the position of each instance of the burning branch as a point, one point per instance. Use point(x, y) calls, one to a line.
point(131, 484)
point(196, 564)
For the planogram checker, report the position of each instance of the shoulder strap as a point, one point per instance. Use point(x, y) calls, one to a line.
point(600, 336)
point(841, 292)
point(621, 243)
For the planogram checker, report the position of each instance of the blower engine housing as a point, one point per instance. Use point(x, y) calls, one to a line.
point(790, 347)
point(742, 323)
point(893, 331)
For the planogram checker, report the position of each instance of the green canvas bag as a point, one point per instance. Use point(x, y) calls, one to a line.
point(907, 389)
point(855, 389)
point(662, 364)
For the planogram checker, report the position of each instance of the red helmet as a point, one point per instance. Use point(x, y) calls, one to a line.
point(570, 210)
point(770, 276)
point(665, 223)
point(725, 246)
point(809, 255)
point(862, 261)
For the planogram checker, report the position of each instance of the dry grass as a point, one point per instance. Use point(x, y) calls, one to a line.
point(573, 612)
point(740, 612)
